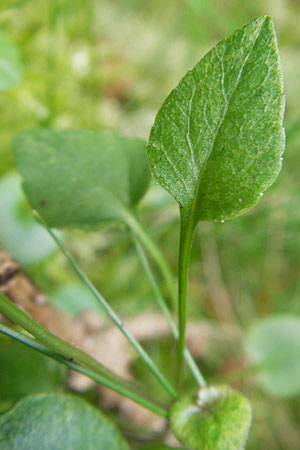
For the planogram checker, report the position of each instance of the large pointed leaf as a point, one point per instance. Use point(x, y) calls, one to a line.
point(219, 419)
point(273, 345)
point(57, 422)
point(10, 63)
point(217, 141)
point(82, 178)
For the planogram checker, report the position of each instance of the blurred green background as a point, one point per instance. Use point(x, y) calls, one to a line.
point(110, 64)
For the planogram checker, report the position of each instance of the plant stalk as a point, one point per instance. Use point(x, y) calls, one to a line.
point(115, 318)
point(52, 342)
point(108, 383)
point(187, 230)
point(165, 310)
point(153, 249)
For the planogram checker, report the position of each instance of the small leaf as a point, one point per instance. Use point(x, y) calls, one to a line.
point(10, 63)
point(57, 422)
point(24, 371)
point(274, 346)
point(24, 238)
point(220, 419)
point(81, 178)
point(217, 141)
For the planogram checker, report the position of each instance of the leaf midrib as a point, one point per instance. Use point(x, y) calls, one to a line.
point(194, 202)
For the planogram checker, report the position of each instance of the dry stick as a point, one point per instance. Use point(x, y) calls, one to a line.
point(67, 361)
point(164, 308)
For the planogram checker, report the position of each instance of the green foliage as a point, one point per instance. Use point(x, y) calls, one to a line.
point(10, 63)
point(24, 371)
point(83, 179)
point(217, 140)
point(273, 345)
point(216, 146)
point(219, 419)
point(24, 238)
point(57, 422)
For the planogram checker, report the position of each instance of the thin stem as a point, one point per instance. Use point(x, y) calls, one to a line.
point(157, 293)
point(52, 342)
point(108, 383)
point(139, 230)
point(115, 318)
point(165, 310)
point(187, 229)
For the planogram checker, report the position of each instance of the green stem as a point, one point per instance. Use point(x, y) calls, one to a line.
point(115, 318)
point(52, 342)
point(108, 383)
point(187, 230)
point(138, 229)
point(165, 310)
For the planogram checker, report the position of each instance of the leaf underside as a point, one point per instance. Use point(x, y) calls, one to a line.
point(217, 141)
point(82, 178)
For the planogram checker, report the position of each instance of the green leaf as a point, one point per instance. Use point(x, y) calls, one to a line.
point(10, 63)
point(57, 422)
point(81, 178)
point(24, 371)
point(219, 419)
point(217, 140)
point(24, 238)
point(274, 346)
